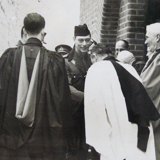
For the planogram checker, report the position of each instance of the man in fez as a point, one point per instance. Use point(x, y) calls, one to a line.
point(77, 66)
point(35, 114)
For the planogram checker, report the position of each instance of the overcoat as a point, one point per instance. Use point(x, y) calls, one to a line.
point(151, 81)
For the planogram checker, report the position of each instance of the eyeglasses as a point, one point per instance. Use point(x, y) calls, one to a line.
point(93, 41)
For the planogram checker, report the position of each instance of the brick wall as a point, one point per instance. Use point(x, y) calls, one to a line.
point(132, 24)
point(111, 20)
point(91, 14)
point(109, 24)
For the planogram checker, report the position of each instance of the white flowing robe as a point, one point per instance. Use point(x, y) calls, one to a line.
point(106, 120)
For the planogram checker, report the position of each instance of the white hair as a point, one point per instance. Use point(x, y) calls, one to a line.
point(153, 28)
point(126, 57)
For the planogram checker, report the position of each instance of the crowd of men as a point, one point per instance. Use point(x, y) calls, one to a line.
point(79, 103)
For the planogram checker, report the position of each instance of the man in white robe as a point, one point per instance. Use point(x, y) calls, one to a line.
point(108, 128)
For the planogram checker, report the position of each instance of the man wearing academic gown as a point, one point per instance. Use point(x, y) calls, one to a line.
point(117, 110)
point(35, 114)
point(151, 75)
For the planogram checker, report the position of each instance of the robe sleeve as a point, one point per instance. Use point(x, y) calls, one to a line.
point(6, 61)
point(58, 69)
point(151, 81)
point(59, 88)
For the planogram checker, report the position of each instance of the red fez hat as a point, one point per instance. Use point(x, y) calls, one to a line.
point(81, 30)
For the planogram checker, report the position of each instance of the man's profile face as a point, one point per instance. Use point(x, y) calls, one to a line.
point(120, 46)
point(82, 43)
point(151, 41)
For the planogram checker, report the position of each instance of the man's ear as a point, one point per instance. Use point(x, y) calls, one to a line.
point(42, 31)
point(74, 38)
point(24, 31)
point(158, 37)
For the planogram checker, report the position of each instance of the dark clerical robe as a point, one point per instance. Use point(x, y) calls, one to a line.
point(51, 120)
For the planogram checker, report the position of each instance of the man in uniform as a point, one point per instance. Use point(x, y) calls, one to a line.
point(151, 75)
point(77, 66)
point(35, 115)
point(63, 49)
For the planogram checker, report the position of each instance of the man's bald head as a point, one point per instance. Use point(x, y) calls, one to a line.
point(120, 46)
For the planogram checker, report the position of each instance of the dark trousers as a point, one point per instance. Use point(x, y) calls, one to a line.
point(81, 147)
point(80, 141)
point(23, 153)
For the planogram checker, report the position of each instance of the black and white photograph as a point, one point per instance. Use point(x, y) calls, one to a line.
point(79, 80)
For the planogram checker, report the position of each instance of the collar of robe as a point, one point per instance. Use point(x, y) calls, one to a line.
point(34, 41)
point(27, 92)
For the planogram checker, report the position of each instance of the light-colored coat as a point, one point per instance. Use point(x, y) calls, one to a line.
point(151, 81)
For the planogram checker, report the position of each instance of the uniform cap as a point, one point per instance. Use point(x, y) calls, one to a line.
point(63, 49)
